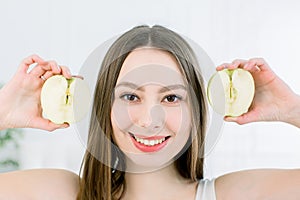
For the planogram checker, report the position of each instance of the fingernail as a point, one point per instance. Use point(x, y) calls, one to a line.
point(65, 125)
point(257, 69)
point(69, 72)
point(229, 119)
point(58, 67)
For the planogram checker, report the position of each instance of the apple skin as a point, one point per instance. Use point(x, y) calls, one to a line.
point(230, 92)
point(65, 100)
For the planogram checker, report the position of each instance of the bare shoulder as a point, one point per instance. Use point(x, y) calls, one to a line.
point(39, 184)
point(259, 184)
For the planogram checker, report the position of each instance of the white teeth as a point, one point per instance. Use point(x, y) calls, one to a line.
point(149, 142)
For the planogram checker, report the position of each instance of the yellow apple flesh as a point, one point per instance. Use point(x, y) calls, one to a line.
point(65, 100)
point(231, 92)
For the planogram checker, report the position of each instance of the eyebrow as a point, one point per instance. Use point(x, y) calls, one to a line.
point(141, 88)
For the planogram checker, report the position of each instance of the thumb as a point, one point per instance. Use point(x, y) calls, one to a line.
point(47, 125)
point(243, 119)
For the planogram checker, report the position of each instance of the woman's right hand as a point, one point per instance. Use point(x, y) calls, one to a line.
point(20, 97)
point(273, 100)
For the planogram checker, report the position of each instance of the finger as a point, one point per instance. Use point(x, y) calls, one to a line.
point(238, 63)
point(222, 66)
point(55, 68)
point(257, 64)
point(47, 75)
point(66, 72)
point(252, 65)
point(23, 68)
point(40, 70)
point(47, 125)
point(243, 119)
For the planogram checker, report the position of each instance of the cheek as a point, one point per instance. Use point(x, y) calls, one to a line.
point(119, 135)
point(119, 121)
point(178, 119)
point(121, 116)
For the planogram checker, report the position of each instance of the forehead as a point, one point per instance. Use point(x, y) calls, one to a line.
point(150, 65)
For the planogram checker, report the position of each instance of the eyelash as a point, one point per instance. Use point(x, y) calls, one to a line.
point(179, 98)
point(127, 97)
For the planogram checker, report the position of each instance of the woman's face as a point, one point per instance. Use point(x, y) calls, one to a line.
point(150, 116)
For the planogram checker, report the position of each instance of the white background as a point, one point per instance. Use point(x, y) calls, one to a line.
point(68, 31)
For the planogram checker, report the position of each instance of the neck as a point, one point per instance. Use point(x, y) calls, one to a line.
point(164, 183)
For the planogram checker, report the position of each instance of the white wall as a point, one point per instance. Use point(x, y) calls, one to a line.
point(68, 31)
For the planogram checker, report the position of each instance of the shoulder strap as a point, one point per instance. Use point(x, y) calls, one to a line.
point(206, 190)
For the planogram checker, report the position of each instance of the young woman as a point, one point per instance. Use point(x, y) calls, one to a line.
point(148, 126)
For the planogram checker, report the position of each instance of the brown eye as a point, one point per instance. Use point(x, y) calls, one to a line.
point(171, 99)
point(129, 97)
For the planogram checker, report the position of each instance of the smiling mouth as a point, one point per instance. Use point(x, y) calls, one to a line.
point(150, 141)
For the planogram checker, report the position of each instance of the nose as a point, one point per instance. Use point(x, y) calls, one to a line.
point(151, 117)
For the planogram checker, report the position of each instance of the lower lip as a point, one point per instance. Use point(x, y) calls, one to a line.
point(148, 149)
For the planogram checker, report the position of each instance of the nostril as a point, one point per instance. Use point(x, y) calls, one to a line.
point(156, 127)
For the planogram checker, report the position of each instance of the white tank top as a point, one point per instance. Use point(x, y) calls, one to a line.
point(206, 190)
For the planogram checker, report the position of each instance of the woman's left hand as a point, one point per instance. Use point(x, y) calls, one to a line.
point(273, 100)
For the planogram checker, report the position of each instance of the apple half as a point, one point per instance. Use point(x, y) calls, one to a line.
point(65, 100)
point(231, 92)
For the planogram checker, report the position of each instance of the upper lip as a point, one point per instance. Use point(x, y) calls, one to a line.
point(156, 137)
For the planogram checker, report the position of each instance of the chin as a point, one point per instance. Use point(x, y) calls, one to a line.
point(142, 162)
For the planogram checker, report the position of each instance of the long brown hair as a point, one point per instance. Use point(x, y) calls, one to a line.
point(97, 180)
